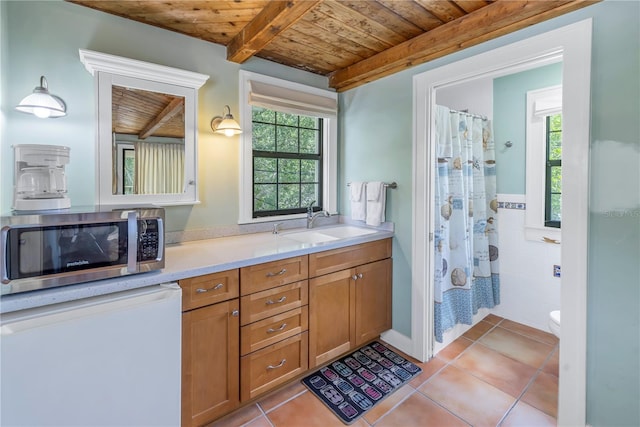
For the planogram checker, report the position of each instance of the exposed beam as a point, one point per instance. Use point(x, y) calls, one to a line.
point(275, 18)
point(497, 19)
point(173, 108)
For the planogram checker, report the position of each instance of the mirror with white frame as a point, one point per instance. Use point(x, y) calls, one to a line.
point(146, 150)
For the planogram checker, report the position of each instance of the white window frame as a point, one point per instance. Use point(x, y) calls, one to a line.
point(540, 104)
point(329, 147)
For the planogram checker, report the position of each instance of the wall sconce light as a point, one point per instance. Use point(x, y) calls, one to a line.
point(43, 104)
point(225, 124)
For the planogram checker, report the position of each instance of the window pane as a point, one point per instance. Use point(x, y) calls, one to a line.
point(309, 122)
point(556, 207)
point(309, 194)
point(264, 137)
point(287, 139)
point(555, 122)
point(310, 171)
point(287, 119)
point(556, 179)
point(309, 141)
point(129, 171)
point(555, 146)
point(264, 170)
point(288, 196)
point(259, 114)
point(289, 170)
point(264, 197)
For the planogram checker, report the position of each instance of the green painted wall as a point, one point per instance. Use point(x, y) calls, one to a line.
point(43, 37)
point(509, 122)
point(376, 144)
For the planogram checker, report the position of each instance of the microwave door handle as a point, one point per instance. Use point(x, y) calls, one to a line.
point(132, 242)
point(160, 239)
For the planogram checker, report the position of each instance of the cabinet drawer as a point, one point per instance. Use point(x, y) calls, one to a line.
point(340, 259)
point(273, 329)
point(274, 301)
point(267, 368)
point(208, 289)
point(259, 277)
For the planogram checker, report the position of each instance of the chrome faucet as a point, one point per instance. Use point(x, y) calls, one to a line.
point(311, 217)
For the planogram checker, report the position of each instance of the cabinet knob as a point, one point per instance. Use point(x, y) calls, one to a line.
point(359, 275)
point(235, 313)
point(354, 277)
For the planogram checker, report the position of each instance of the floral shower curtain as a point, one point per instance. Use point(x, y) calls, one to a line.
point(465, 237)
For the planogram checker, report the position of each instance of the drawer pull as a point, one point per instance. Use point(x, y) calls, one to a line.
point(271, 330)
point(279, 365)
point(270, 302)
point(279, 273)
point(215, 288)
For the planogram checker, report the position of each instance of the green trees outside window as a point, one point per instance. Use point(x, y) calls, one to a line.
point(553, 181)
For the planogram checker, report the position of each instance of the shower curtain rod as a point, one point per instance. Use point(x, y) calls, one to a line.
point(480, 116)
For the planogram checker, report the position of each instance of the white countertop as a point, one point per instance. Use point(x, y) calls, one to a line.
point(191, 259)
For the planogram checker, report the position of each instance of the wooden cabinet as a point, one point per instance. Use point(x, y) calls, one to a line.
point(351, 306)
point(274, 319)
point(210, 347)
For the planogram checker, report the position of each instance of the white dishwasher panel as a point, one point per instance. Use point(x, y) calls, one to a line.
point(112, 360)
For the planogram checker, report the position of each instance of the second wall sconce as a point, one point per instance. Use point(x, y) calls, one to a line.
point(226, 124)
point(41, 103)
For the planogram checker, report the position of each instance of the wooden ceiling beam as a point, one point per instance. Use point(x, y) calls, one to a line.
point(173, 108)
point(497, 19)
point(276, 17)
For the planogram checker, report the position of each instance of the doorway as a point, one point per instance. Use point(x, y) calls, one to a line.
point(571, 45)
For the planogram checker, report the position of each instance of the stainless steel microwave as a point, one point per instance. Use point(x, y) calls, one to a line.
point(48, 250)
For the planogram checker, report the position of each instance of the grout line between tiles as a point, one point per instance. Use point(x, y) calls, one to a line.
point(264, 414)
point(283, 402)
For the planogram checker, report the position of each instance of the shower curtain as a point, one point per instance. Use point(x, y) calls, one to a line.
point(465, 234)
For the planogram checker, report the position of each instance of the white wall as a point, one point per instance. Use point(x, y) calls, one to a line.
point(475, 96)
point(528, 290)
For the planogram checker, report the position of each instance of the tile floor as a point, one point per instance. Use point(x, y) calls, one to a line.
point(499, 373)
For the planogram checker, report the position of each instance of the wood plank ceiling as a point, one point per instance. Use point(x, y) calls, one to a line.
point(352, 42)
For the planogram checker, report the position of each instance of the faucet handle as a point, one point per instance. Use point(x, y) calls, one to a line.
point(276, 227)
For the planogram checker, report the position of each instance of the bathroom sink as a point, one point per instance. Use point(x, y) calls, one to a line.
point(322, 235)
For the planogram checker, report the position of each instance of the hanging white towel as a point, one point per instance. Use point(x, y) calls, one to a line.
point(376, 201)
point(358, 201)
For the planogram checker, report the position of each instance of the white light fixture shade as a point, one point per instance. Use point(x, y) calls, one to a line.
point(226, 125)
point(42, 104)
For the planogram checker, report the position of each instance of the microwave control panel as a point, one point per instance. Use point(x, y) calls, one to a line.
point(148, 240)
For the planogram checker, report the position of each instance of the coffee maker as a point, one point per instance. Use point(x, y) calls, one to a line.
point(40, 182)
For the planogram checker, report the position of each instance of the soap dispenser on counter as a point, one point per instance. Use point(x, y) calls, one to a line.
point(40, 181)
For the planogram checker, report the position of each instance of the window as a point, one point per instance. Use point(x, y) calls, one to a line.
point(553, 175)
point(544, 164)
point(287, 159)
point(288, 149)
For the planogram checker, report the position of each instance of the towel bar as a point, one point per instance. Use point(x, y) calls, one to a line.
point(390, 185)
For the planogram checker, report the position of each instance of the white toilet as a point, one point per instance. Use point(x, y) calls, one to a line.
point(554, 322)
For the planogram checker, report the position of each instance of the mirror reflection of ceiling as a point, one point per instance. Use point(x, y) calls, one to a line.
point(144, 113)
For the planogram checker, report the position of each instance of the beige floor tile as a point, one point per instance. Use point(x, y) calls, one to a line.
point(516, 346)
point(473, 400)
point(454, 349)
point(388, 403)
point(523, 415)
point(259, 422)
point(289, 391)
point(478, 330)
point(419, 411)
point(536, 334)
point(496, 369)
point(307, 410)
point(543, 394)
point(428, 369)
point(239, 417)
point(552, 365)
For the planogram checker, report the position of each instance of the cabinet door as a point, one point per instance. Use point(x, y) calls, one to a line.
point(331, 316)
point(210, 359)
point(373, 300)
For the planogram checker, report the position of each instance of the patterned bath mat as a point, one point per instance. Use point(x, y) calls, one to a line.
point(356, 383)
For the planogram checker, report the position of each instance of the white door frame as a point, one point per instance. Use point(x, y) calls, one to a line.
point(573, 44)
